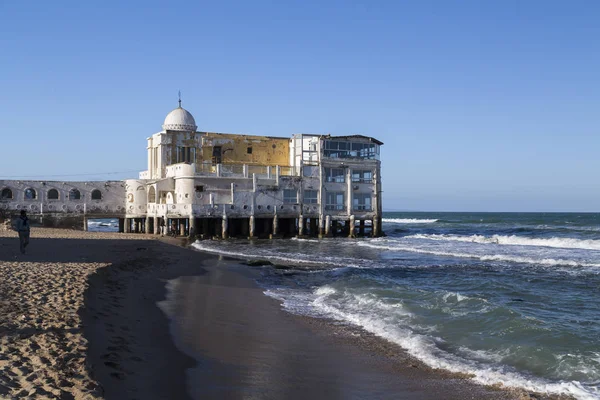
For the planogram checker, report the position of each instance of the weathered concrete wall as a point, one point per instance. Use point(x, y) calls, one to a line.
point(48, 197)
point(234, 149)
point(137, 197)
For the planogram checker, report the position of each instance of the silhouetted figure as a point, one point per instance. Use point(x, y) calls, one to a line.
point(22, 226)
point(162, 226)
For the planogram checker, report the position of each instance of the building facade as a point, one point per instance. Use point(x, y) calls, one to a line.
point(217, 184)
point(221, 185)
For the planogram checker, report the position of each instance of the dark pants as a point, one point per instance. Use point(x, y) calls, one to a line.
point(23, 240)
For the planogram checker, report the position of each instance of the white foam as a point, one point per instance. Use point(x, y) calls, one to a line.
point(408, 220)
point(425, 348)
point(483, 257)
point(558, 242)
point(323, 260)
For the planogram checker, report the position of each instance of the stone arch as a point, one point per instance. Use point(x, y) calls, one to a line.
point(74, 194)
point(6, 194)
point(53, 194)
point(30, 194)
point(96, 194)
point(152, 195)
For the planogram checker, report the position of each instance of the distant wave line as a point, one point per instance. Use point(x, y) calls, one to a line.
point(409, 220)
point(557, 242)
point(483, 257)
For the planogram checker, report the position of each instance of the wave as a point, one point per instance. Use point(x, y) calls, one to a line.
point(394, 323)
point(558, 242)
point(409, 220)
point(484, 257)
point(293, 260)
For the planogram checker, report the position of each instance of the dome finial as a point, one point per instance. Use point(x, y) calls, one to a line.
point(180, 99)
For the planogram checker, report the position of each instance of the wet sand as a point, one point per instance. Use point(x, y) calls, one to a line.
point(80, 320)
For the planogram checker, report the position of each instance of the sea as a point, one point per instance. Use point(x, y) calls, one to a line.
point(509, 298)
point(103, 225)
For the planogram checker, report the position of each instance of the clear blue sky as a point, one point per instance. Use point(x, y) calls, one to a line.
point(482, 105)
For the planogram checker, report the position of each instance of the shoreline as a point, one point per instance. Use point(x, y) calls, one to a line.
point(242, 344)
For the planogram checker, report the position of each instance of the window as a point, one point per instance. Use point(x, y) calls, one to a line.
point(308, 170)
point(290, 196)
point(361, 202)
point(311, 197)
point(216, 155)
point(6, 194)
point(335, 201)
point(151, 195)
point(362, 176)
point(199, 188)
point(52, 194)
point(30, 194)
point(249, 150)
point(343, 149)
point(74, 194)
point(186, 154)
point(335, 175)
point(96, 194)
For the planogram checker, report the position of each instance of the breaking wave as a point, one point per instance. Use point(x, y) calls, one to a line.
point(483, 257)
point(558, 242)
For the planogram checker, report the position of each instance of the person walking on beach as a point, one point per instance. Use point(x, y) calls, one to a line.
point(22, 226)
point(162, 226)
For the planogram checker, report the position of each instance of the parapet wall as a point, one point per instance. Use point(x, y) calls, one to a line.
point(62, 197)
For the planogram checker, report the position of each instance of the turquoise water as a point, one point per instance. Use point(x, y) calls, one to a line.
point(510, 298)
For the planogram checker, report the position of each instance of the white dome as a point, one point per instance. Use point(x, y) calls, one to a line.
point(180, 119)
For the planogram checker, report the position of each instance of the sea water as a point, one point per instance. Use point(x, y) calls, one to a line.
point(103, 225)
point(510, 298)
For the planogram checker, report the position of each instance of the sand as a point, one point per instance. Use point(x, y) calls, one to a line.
point(81, 319)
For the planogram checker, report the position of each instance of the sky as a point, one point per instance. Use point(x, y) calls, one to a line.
point(481, 105)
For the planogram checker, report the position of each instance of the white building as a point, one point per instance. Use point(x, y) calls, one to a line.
point(216, 184)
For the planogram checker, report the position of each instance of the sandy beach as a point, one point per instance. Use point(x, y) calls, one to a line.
point(85, 317)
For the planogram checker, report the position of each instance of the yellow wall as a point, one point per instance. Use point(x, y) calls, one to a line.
point(234, 149)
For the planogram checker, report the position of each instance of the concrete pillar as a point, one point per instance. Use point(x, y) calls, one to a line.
point(139, 226)
point(251, 226)
point(148, 225)
point(181, 227)
point(275, 225)
point(374, 228)
point(377, 227)
point(126, 225)
point(361, 228)
point(224, 227)
point(321, 223)
point(156, 226)
point(192, 224)
point(300, 225)
point(351, 227)
point(328, 225)
point(85, 224)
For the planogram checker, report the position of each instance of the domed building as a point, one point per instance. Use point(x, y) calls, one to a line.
point(180, 119)
point(220, 184)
